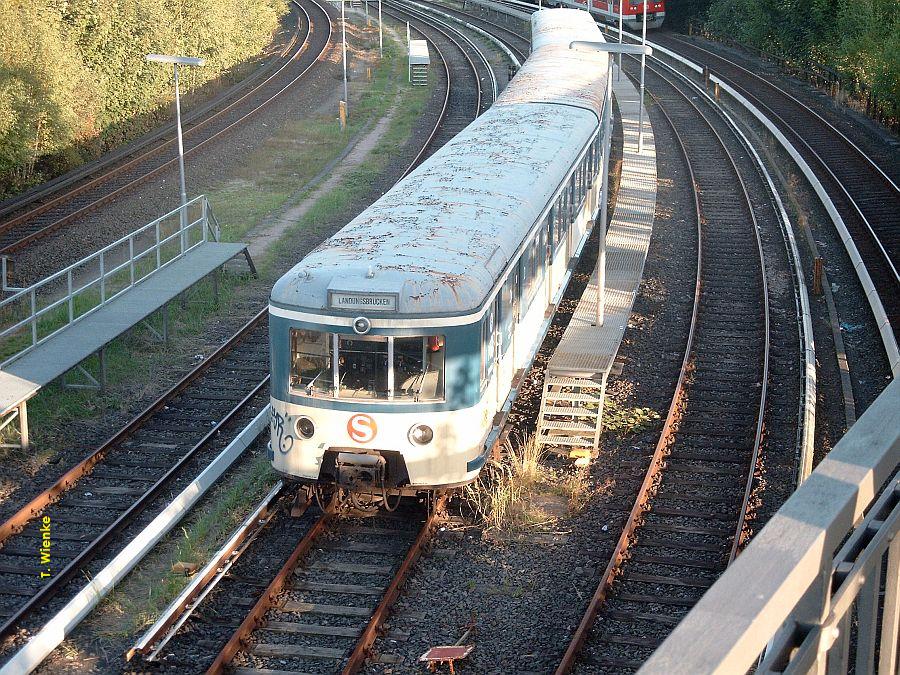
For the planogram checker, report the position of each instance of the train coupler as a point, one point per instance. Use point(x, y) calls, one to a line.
point(359, 470)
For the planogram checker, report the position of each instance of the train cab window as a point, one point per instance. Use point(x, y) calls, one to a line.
point(419, 368)
point(311, 362)
point(362, 367)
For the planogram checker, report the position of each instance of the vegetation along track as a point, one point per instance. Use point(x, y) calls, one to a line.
point(55, 210)
point(95, 500)
point(865, 194)
point(688, 521)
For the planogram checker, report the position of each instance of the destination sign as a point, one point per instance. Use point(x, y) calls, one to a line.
point(375, 302)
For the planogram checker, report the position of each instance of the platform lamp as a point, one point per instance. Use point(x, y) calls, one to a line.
point(621, 26)
point(606, 124)
point(643, 64)
point(344, 54)
point(179, 61)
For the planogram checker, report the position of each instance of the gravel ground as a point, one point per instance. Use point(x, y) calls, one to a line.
point(526, 594)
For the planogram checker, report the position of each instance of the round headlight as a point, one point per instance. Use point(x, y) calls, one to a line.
point(361, 325)
point(421, 434)
point(305, 427)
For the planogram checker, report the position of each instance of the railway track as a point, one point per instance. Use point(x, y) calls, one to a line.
point(50, 212)
point(94, 501)
point(865, 194)
point(324, 608)
point(467, 95)
point(190, 117)
point(688, 521)
point(518, 43)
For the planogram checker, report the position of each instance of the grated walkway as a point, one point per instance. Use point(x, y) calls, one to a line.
point(587, 350)
point(21, 379)
point(571, 413)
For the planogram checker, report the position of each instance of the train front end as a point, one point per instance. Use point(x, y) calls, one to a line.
point(365, 400)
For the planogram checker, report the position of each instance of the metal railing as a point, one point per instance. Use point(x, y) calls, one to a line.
point(32, 315)
point(818, 589)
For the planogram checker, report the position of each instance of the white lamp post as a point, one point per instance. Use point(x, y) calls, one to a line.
point(606, 124)
point(641, 106)
point(380, 40)
point(179, 61)
point(621, 26)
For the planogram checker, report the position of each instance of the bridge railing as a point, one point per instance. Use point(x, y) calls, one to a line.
point(818, 589)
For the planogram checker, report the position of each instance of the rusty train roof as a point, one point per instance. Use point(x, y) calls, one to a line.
point(439, 240)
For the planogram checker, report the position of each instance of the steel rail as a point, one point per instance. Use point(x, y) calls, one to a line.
point(673, 417)
point(257, 613)
point(853, 246)
point(823, 163)
point(175, 615)
point(807, 408)
point(445, 107)
point(364, 645)
point(39, 192)
point(443, 113)
point(62, 623)
point(437, 24)
point(156, 149)
point(255, 618)
point(17, 521)
point(860, 153)
point(503, 29)
point(19, 243)
point(677, 409)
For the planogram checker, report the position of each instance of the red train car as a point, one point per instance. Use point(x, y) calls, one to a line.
point(632, 11)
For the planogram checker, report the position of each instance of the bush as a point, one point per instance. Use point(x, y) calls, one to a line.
point(74, 81)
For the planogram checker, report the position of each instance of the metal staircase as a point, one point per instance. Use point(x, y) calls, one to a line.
point(571, 416)
point(418, 75)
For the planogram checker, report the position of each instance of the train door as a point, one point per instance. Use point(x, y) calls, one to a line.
point(508, 311)
point(489, 353)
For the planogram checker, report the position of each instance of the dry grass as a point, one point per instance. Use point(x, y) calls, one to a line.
point(521, 493)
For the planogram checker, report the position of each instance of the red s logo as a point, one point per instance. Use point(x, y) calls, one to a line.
point(362, 428)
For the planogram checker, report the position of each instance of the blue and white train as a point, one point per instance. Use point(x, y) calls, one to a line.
point(395, 343)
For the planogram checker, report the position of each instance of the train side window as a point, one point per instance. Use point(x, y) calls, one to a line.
point(488, 344)
point(532, 269)
point(574, 197)
point(548, 236)
point(311, 362)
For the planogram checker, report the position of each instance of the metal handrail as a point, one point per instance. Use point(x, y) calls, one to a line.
point(154, 252)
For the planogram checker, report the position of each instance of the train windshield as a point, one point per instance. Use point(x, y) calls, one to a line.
point(367, 367)
point(311, 369)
